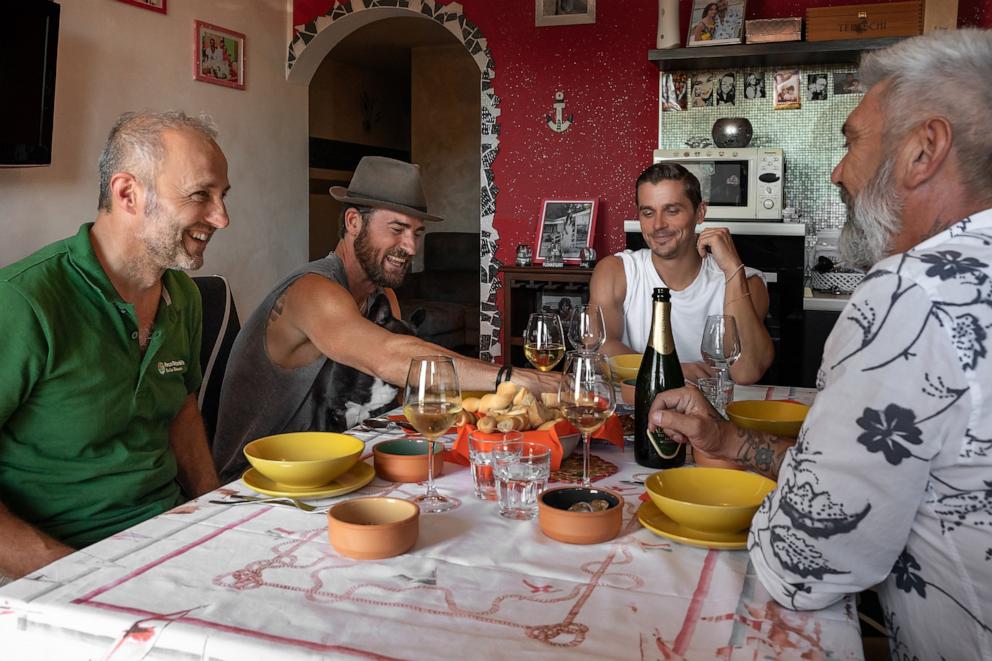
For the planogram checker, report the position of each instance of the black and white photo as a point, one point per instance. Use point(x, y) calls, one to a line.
point(754, 86)
point(569, 224)
point(726, 88)
point(563, 305)
point(816, 86)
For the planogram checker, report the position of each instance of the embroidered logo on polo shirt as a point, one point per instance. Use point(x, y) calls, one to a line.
point(170, 366)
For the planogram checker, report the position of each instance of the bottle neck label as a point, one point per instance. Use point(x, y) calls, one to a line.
point(661, 329)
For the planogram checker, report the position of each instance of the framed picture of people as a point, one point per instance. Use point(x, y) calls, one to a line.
point(218, 55)
point(160, 6)
point(569, 224)
point(564, 12)
point(563, 305)
point(716, 23)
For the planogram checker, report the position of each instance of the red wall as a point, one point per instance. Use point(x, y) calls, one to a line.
point(610, 88)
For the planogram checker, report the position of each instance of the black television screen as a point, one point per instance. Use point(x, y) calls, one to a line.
point(29, 36)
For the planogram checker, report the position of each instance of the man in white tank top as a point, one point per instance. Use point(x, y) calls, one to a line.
point(704, 273)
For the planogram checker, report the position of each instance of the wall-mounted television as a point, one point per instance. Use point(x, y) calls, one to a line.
point(29, 40)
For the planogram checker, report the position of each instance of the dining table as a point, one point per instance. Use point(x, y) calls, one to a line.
point(261, 581)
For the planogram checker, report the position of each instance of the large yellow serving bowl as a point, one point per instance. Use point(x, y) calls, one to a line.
point(625, 366)
point(304, 459)
point(708, 500)
point(772, 416)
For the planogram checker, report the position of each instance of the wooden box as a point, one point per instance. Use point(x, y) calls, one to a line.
point(893, 19)
point(765, 30)
point(940, 15)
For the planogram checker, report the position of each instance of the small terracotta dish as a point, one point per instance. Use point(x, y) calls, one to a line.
point(628, 388)
point(405, 460)
point(558, 522)
point(373, 528)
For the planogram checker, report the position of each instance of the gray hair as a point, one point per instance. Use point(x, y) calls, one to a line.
point(135, 146)
point(940, 73)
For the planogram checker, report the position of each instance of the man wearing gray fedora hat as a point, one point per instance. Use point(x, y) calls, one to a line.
point(284, 371)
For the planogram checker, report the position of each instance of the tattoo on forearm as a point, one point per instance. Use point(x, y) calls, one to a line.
point(277, 308)
point(762, 452)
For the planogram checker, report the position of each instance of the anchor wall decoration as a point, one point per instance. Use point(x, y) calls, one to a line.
point(558, 123)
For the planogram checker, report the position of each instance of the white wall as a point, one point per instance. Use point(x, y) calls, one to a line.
point(115, 57)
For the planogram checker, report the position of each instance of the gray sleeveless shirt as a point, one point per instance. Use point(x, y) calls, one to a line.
point(258, 397)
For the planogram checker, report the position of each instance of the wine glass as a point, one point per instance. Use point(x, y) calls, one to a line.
point(721, 344)
point(586, 397)
point(431, 402)
point(544, 341)
point(587, 330)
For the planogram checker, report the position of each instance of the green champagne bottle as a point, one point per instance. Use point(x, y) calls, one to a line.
point(660, 370)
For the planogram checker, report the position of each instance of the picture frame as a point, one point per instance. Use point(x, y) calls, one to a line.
point(716, 22)
point(572, 223)
point(847, 81)
point(564, 12)
point(161, 6)
point(218, 55)
point(558, 303)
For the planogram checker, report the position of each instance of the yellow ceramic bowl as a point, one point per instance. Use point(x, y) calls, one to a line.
point(625, 366)
point(304, 459)
point(708, 500)
point(772, 416)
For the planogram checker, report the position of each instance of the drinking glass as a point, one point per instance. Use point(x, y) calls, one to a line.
point(431, 402)
point(721, 344)
point(480, 457)
point(719, 392)
point(586, 397)
point(544, 341)
point(522, 470)
point(587, 330)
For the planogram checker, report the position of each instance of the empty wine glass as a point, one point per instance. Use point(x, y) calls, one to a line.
point(431, 402)
point(587, 330)
point(544, 341)
point(721, 344)
point(586, 397)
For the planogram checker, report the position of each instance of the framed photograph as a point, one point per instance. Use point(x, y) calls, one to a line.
point(218, 55)
point(754, 86)
point(847, 82)
point(816, 86)
point(726, 88)
point(674, 92)
point(569, 224)
point(716, 23)
point(787, 90)
point(154, 5)
point(564, 12)
point(702, 90)
point(561, 304)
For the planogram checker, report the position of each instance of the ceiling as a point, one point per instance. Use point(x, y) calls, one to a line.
point(386, 44)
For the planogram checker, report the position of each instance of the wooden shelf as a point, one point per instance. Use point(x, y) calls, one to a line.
point(783, 53)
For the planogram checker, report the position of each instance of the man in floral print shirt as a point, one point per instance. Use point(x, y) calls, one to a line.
point(890, 480)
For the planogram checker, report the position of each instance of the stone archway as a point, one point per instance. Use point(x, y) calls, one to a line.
point(314, 40)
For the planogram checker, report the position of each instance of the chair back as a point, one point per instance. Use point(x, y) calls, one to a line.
point(220, 327)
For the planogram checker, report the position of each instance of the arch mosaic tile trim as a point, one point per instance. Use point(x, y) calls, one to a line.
point(452, 18)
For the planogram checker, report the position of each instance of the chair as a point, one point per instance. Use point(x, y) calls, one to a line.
point(220, 327)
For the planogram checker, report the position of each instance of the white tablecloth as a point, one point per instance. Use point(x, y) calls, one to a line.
point(261, 582)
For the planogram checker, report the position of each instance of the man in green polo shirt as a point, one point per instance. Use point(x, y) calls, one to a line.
point(99, 427)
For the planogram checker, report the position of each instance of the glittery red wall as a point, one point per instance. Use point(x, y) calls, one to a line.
point(610, 89)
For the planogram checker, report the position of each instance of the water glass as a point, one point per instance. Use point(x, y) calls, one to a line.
point(522, 470)
point(719, 391)
point(480, 456)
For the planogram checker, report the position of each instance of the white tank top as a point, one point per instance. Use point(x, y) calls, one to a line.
point(690, 307)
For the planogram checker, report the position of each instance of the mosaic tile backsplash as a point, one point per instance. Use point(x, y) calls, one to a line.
point(810, 135)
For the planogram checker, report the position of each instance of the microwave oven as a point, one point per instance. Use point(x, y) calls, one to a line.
point(736, 183)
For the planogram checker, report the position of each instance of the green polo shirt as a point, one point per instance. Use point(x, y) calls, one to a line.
point(84, 416)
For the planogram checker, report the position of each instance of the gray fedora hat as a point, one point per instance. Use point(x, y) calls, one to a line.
point(386, 183)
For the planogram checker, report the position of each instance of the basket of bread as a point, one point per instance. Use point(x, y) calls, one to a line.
point(511, 408)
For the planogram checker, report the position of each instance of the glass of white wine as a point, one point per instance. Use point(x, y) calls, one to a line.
point(587, 329)
point(432, 401)
point(544, 341)
point(586, 397)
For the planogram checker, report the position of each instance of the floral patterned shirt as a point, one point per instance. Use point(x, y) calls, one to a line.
point(890, 480)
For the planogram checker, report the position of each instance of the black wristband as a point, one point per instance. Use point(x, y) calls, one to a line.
point(499, 376)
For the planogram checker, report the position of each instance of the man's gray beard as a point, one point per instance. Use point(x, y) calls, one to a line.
point(162, 241)
point(873, 218)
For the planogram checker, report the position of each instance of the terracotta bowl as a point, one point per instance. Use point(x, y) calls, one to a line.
point(708, 500)
point(405, 460)
point(304, 459)
point(557, 522)
point(373, 528)
point(628, 388)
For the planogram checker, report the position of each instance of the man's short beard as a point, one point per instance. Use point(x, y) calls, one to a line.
point(365, 252)
point(161, 239)
point(874, 217)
